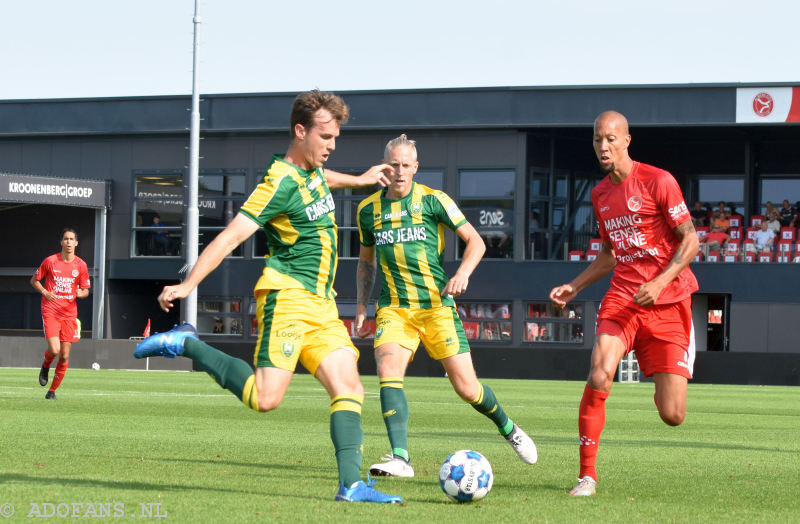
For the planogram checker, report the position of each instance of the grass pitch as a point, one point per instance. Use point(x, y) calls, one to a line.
point(176, 447)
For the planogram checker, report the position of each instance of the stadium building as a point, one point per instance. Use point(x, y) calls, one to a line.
point(519, 162)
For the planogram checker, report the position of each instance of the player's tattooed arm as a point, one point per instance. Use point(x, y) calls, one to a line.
point(649, 292)
point(365, 281)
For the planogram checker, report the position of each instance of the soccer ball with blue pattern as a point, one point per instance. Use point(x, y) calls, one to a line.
point(466, 476)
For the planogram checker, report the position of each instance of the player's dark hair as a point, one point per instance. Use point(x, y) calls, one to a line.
point(68, 230)
point(308, 103)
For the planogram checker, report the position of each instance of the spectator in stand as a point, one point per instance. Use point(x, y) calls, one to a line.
point(788, 214)
point(721, 218)
point(763, 238)
point(769, 208)
point(716, 239)
point(773, 223)
point(699, 214)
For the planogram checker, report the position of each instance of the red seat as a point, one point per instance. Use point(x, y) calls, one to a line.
point(788, 233)
point(755, 220)
point(702, 231)
point(735, 233)
point(766, 256)
point(749, 256)
point(784, 257)
point(472, 329)
point(733, 246)
point(596, 244)
point(796, 256)
point(751, 231)
point(591, 255)
point(749, 245)
point(729, 257)
point(698, 257)
point(735, 220)
point(785, 246)
point(713, 256)
point(575, 255)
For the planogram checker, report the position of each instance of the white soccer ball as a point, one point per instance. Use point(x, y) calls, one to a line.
point(95, 366)
point(466, 476)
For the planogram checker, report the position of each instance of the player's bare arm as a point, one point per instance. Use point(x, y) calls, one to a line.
point(365, 281)
point(374, 175)
point(473, 252)
point(649, 292)
point(239, 230)
point(82, 293)
point(600, 267)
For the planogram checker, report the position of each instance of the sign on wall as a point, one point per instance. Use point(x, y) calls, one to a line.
point(51, 190)
point(767, 105)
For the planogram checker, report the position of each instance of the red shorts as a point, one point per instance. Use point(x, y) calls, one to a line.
point(66, 329)
point(661, 335)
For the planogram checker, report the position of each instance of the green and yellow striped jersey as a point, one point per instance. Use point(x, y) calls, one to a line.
point(408, 235)
point(296, 210)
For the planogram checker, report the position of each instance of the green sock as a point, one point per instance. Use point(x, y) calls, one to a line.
point(233, 374)
point(394, 407)
point(347, 436)
point(487, 404)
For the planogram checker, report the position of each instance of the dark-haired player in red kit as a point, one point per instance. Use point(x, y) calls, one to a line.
point(648, 241)
point(66, 279)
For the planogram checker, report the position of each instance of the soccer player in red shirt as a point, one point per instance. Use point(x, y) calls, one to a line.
point(648, 241)
point(66, 279)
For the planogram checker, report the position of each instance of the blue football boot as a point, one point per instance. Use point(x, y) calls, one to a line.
point(361, 492)
point(169, 344)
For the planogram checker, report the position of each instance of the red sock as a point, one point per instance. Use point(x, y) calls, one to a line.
point(48, 358)
point(591, 420)
point(61, 369)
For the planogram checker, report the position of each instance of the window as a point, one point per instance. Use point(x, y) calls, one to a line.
point(487, 200)
point(219, 316)
point(712, 190)
point(777, 189)
point(159, 205)
point(220, 195)
point(544, 323)
point(157, 213)
point(486, 321)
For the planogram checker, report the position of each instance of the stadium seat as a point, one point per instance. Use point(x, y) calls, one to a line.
point(729, 257)
point(755, 220)
point(749, 256)
point(698, 257)
point(784, 246)
point(784, 257)
point(702, 231)
point(472, 329)
point(749, 245)
point(751, 231)
point(591, 255)
point(766, 256)
point(733, 246)
point(796, 256)
point(788, 233)
point(575, 256)
point(735, 233)
point(735, 221)
point(713, 256)
point(596, 244)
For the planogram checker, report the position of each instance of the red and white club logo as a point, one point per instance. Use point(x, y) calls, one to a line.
point(74, 272)
point(635, 203)
point(763, 104)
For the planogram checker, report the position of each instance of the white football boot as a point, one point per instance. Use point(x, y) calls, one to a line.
point(392, 466)
point(523, 445)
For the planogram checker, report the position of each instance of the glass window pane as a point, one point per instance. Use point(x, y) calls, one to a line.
point(486, 321)
point(432, 179)
point(482, 184)
point(776, 190)
point(717, 189)
point(221, 185)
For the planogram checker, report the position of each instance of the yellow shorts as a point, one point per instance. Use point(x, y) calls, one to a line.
point(295, 324)
point(439, 328)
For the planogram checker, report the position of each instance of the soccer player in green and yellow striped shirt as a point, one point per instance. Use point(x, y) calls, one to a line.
point(404, 225)
point(297, 317)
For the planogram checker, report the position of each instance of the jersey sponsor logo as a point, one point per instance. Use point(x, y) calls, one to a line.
point(453, 212)
point(763, 103)
point(625, 235)
point(635, 203)
point(315, 182)
point(416, 209)
point(74, 272)
point(321, 207)
point(401, 213)
point(676, 212)
point(401, 235)
point(605, 208)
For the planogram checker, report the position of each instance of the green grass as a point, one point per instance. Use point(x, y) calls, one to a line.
point(179, 440)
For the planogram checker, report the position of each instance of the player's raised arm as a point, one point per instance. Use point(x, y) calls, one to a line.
point(374, 175)
point(239, 230)
point(600, 267)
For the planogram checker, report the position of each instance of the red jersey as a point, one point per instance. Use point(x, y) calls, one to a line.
point(63, 279)
point(637, 218)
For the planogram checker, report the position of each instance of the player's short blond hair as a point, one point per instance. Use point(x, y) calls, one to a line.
point(401, 140)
